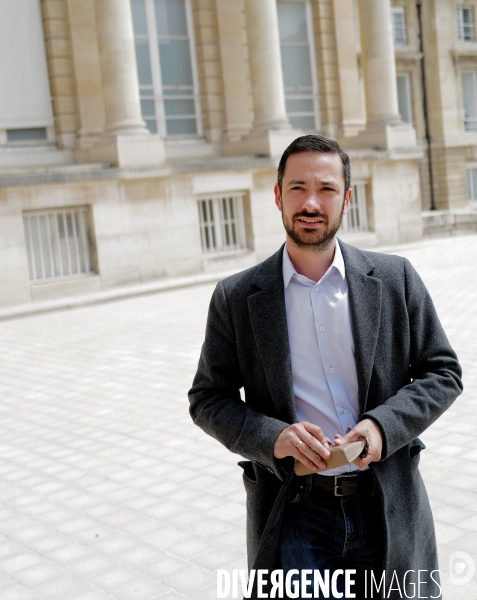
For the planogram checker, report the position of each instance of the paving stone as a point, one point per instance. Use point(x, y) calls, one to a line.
point(112, 578)
point(139, 589)
point(18, 592)
point(59, 588)
point(38, 574)
point(18, 563)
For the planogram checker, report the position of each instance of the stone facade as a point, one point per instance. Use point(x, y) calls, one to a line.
point(168, 128)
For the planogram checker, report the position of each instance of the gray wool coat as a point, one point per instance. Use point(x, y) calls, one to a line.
point(408, 375)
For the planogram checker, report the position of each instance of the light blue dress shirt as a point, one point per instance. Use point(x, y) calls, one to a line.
point(322, 349)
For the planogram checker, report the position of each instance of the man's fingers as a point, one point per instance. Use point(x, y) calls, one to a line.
point(312, 445)
point(305, 442)
point(310, 458)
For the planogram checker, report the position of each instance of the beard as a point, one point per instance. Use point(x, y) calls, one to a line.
point(312, 239)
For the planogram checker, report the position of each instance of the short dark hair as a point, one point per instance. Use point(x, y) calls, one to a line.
point(315, 143)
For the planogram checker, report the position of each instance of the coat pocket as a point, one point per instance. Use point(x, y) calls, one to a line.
point(415, 448)
point(248, 471)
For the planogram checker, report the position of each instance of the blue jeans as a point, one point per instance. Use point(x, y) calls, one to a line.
point(326, 532)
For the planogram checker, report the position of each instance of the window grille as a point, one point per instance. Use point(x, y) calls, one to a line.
point(469, 100)
point(58, 244)
point(168, 83)
point(399, 25)
point(355, 220)
point(472, 182)
point(403, 81)
point(465, 24)
point(222, 226)
point(298, 64)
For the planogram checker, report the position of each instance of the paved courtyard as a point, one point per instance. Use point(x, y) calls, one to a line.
point(107, 490)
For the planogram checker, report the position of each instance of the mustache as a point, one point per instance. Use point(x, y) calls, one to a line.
point(309, 215)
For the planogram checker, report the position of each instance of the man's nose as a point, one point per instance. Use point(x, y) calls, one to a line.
point(312, 201)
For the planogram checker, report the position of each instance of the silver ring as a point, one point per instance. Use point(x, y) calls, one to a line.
point(300, 442)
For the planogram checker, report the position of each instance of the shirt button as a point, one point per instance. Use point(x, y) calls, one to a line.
point(316, 288)
point(322, 328)
point(342, 411)
point(331, 369)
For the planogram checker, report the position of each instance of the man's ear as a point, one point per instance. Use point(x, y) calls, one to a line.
point(347, 202)
point(278, 197)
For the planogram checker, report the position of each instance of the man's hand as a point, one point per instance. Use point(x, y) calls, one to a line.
point(305, 442)
point(370, 430)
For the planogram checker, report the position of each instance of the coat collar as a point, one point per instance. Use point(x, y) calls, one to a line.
point(268, 318)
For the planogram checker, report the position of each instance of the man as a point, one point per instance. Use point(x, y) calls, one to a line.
point(330, 343)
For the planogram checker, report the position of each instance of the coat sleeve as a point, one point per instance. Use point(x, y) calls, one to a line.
point(215, 402)
point(434, 371)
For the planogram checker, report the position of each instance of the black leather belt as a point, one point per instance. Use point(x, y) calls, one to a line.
point(361, 482)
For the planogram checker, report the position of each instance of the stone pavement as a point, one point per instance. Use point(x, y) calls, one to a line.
point(107, 490)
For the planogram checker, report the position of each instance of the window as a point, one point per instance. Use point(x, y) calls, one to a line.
point(469, 100)
point(222, 227)
point(298, 64)
point(166, 67)
point(58, 243)
point(399, 25)
point(355, 220)
point(465, 25)
point(32, 134)
point(472, 182)
point(403, 81)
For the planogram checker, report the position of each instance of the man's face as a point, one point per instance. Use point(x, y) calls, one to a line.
point(312, 200)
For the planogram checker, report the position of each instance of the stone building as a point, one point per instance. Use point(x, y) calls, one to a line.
point(139, 139)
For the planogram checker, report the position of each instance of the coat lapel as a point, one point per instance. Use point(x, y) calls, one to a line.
point(269, 324)
point(365, 306)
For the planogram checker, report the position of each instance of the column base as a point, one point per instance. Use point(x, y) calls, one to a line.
point(262, 143)
point(125, 151)
point(386, 137)
point(350, 128)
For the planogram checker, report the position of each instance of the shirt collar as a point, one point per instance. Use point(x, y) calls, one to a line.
point(289, 270)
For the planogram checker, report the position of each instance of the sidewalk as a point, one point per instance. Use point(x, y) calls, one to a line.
point(108, 491)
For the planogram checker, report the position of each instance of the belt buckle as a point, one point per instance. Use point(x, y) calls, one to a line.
point(337, 489)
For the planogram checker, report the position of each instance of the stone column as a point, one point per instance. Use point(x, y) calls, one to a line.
point(268, 92)
point(118, 67)
point(379, 64)
point(127, 142)
point(384, 129)
point(271, 132)
point(352, 109)
point(233, 60)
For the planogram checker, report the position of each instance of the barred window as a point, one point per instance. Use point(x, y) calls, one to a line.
point(222, 226)
point(355, 220)
point(465, 25)
point(58, 244)
point(399, 25)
